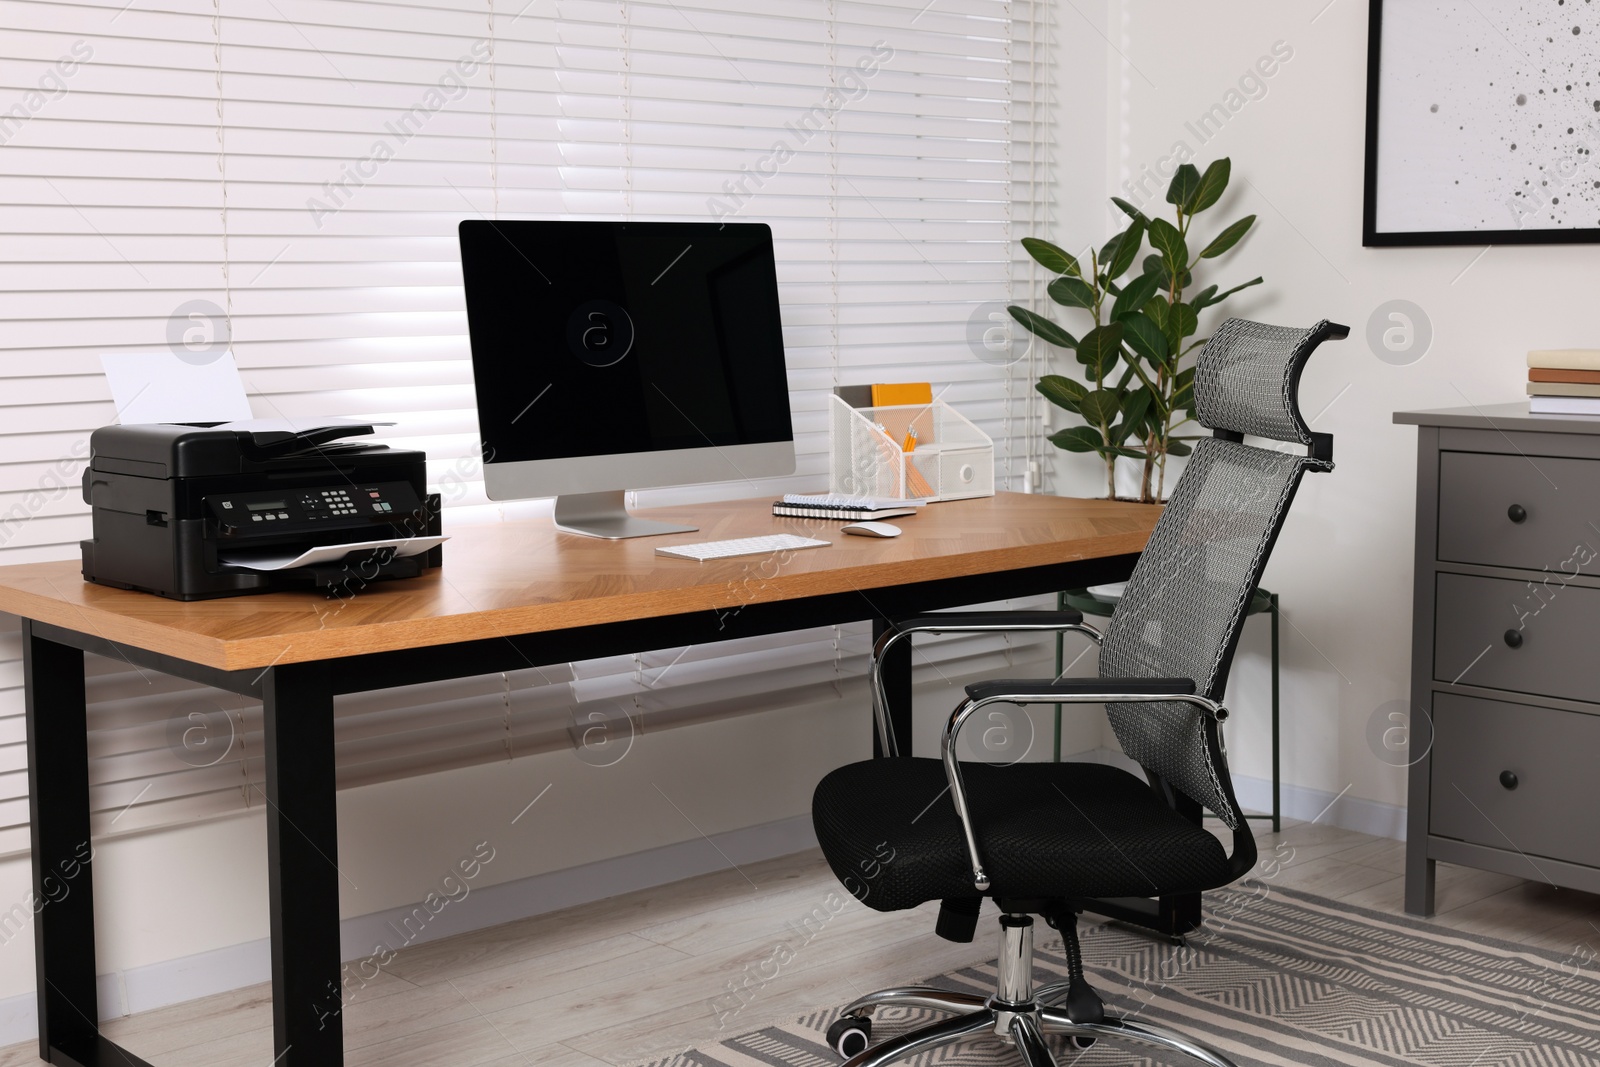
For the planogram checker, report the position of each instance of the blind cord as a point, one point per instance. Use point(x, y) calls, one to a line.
point(222, 171)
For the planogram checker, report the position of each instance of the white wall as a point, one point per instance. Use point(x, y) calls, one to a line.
point(1343, 565)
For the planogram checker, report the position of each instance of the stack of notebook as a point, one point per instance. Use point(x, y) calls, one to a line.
point(836, 506)
point(1564, 381)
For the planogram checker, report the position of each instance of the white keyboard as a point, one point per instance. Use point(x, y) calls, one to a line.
point(741, 546)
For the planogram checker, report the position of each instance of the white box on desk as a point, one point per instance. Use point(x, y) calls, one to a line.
point(866, 448)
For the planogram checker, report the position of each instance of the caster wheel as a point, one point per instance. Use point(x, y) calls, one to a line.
point(850, 1034)
point(1081, 1042)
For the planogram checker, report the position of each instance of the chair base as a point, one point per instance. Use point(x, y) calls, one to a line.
point(1017, 1014)
point(1024, 1028)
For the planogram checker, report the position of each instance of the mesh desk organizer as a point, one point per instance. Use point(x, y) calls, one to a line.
point(1041, 838)
point(953, 459)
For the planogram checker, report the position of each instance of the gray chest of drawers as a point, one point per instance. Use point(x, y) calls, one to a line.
point(1505, 659)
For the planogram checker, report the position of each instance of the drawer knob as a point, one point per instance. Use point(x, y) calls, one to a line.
point(1508, 779)
point(1517, 513)
point(1514, 638)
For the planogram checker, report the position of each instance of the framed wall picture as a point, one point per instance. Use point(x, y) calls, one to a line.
point(1483, 123)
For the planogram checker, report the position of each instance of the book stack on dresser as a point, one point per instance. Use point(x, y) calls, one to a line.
point(1564, 381)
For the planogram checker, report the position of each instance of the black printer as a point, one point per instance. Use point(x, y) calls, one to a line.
point(169, 500)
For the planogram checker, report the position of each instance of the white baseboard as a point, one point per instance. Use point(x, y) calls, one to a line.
point(1305, 805)
point(157, 985)
point(1296, 802)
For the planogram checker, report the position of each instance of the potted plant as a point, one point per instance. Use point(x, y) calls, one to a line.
point(1139, 393)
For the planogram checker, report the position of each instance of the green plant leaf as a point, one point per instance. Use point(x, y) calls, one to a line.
point(1159, 309)
point(1157, 265)
point(1182, 322)
point(1169, 330)
point(1212, 183)
point(1051, 257)
point(1183, 389)
point(1071, 292)
point(1129, 453)
point(1099, 407)
point(1144, 336)
point(1185, 321)
point(1203, 297)
point(1078, 439)
point(1061, 391)
point(1128, 209)
point(1100, 349)
point(1134, 408)
point(1184, 183)
point(1124, 248)
point(1135, 295)
point(1220, 297)
point(1227, 238)
point(1109, 249)
point(1165, 238)
point(1176, 447)
point(1043, 328)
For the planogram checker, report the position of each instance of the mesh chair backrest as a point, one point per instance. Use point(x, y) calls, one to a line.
point(1185, 603)
point(1247, 378)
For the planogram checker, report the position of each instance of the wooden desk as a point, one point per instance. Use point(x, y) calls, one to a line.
point(509, 596)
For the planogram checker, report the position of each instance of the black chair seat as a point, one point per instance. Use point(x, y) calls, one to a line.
point(889, 831)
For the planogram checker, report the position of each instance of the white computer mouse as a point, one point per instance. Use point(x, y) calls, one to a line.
point(873, 529)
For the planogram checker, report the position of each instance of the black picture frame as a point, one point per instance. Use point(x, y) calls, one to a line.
point(1372, 237)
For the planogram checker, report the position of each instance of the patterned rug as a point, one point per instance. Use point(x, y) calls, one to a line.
point(1278, 977)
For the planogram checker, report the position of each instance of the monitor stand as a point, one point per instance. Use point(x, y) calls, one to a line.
point(604, 515)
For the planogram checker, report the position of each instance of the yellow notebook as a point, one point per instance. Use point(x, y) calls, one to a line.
point(886, 395)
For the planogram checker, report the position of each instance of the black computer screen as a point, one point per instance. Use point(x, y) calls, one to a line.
point(599, 338)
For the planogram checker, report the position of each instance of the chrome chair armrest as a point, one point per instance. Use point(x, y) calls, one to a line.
point(1077, 691)
point(957, 622)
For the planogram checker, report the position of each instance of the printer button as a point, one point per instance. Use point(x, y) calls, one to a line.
point(283, 514)
point(256, 517)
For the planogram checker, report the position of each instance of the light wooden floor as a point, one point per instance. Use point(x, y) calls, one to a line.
point(637, 976)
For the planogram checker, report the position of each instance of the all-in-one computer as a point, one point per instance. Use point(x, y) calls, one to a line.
point(610, 356)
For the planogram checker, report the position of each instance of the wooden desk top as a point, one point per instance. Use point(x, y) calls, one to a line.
point(514, 578)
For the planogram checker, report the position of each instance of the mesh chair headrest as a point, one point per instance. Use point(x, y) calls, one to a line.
point(1247, 378)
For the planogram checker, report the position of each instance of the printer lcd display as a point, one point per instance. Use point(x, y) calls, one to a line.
point(268, 505)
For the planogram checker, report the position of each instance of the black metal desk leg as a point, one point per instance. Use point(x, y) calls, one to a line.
point(897, 687)
point(63, 883)
point(302, 866)
point(1277, 810)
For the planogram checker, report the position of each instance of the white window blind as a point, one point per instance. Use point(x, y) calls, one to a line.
point(284, 177)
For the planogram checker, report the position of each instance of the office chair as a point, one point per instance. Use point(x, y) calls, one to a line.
point(1037, 837)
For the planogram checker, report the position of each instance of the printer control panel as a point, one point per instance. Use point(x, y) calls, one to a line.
point(285, 510)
